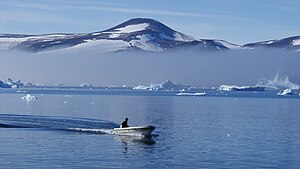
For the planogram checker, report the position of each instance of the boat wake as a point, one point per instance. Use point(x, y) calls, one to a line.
point(92, 131)
point(82, 125)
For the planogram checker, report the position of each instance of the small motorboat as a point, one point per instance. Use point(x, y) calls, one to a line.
point(134, 131)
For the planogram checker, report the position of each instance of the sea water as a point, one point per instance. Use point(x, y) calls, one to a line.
point(71, 129)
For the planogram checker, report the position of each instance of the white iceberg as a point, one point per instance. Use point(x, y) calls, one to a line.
point(278, 83)
point(21, 91)
point(285, 92)
point(11, 84)
point(140, 87)
point(167, 86)
point(86, 85)
point(191, 94)
point(29, 97)
point(241, 88)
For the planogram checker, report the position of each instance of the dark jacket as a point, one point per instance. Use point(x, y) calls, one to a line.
point(124, 124)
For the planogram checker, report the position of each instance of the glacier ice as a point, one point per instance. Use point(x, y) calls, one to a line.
point(241, 88)
point(278, 83)
point(168, 85)
point(191, 94)
point(11, 84)
point(28, 97)
point(285, 92)
point(296, 42)
point(140, 87)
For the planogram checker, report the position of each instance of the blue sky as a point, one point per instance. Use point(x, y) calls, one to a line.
point(237, 21)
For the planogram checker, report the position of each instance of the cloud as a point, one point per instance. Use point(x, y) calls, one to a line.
point(137, 11)
point(286, 6)
point(33, 17)
point(33, 5)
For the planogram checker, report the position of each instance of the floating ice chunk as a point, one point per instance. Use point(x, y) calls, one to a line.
point(14, 86)
point(200, 94)
point(21, 91)
point(296, 42)
point(167, 86)
point(29, 97)
point(86, 85)
point(191, 94)
point(285, 92)
point(140, 87)
point(241, 88)
point(227, 87)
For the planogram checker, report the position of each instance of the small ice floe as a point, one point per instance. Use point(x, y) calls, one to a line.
point(191, 94)
point(29, 97)
point(92, 102)
point(241, 88)
point(65, 102)
point(285, 92)
point(21, 91)
point(140, 87)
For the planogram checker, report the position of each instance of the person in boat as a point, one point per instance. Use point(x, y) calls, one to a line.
point(125, 123)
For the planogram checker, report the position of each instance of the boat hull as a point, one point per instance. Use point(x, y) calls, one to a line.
point(134, 131)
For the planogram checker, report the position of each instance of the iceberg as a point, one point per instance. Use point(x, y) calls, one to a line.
point(86, 85)
point(4, 85)
point(278, 83)
point(168, 86)
point(14, 84)
point(285, 92)
point(11, 84)
point(241, 88)
point(191, 94)
point(140, 87)
point(29, 97)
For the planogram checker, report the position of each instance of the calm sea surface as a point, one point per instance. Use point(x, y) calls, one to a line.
point(192, 132)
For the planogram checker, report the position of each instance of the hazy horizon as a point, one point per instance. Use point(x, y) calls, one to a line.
point(201, 69)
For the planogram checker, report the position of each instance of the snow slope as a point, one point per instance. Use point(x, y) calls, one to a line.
point(135, 34)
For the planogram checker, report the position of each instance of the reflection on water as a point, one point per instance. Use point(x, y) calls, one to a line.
point(136, 139)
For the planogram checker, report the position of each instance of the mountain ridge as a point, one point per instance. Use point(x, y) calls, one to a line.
point(135, 34)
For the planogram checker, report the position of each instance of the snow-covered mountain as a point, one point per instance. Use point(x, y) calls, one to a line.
point(291, 43)
point(135, 34)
